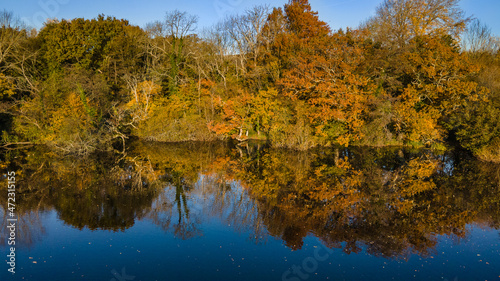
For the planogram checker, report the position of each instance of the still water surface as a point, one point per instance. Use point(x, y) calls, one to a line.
point(219, 211)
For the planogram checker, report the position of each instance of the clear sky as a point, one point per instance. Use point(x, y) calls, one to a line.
point(337, 13)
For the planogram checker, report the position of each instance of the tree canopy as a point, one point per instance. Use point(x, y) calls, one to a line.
point(419, 72)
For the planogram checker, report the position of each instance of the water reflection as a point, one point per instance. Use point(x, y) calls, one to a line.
point(390, 202)
point(29, 230)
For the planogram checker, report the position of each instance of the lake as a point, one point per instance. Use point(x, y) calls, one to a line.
point(227, 211)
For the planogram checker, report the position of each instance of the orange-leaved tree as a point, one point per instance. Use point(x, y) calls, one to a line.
point(319, 68)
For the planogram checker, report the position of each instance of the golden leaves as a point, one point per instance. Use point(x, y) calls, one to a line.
point(6, 87)
point(71, 116)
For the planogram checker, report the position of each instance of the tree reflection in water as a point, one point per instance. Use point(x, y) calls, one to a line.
point(390, 202)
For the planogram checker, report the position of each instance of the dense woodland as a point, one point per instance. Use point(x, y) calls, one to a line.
point(418, 73)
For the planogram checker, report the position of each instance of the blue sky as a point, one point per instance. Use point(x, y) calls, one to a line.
point(337, 13)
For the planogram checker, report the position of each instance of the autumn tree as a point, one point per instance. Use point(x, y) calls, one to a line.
point(439, 85)
point(423, 78)
point(476, 125)
point(398, 21)
point(74, 60)
point(318, 68)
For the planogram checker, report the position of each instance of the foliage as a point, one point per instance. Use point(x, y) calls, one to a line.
point(283, 75)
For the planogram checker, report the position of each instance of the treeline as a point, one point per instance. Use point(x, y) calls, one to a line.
point(417, 73)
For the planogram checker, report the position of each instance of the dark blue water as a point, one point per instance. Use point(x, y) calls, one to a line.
point(214, 217)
